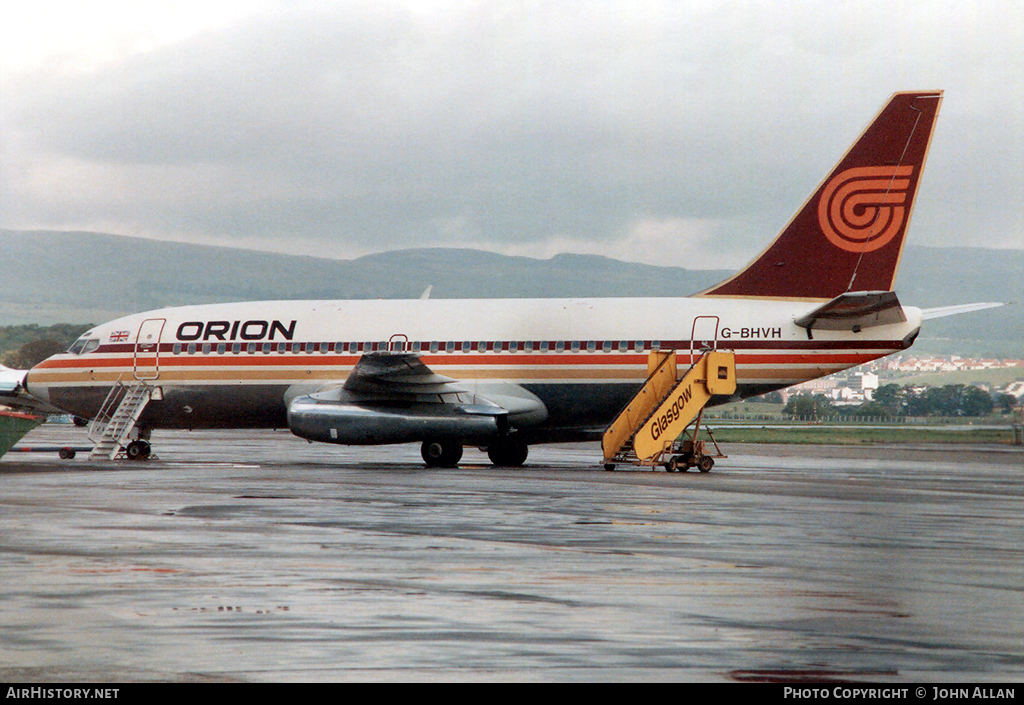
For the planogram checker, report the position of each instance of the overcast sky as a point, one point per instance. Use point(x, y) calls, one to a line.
point(682, 133)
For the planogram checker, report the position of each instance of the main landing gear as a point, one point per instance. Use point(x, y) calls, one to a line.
point(507, 452)
point(441, 453)
point(138, 450)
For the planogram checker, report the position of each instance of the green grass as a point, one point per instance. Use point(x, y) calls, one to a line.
point(998, 377)
point(860, 434)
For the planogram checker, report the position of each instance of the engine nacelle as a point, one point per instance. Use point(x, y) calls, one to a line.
point(363, 423)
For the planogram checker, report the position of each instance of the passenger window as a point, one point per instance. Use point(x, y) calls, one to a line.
point(606, 346)
point(544, 346)
point(623, 346)
point(191, 348)
point(222, 348)
point(559, 346)
point(591, 345)
point(434, 346)
point(528, 346)
point(575, 346)
point(236, 348)
point(449, 346)
point(206, 348)
point(466, 345)
point(176, 349)
point(513, 346)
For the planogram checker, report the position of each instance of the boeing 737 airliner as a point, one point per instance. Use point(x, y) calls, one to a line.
point(503, 374)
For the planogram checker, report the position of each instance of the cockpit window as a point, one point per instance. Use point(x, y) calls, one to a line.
point(84, 345)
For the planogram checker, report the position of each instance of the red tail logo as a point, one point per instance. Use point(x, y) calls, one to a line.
point(849, 234)
point(861, 209)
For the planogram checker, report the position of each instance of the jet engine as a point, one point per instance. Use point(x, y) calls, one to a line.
point(374, 423)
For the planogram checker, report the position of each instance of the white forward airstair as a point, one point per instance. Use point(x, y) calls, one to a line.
point(109, 431)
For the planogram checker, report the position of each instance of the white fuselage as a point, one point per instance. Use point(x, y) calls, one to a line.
point(232, 365)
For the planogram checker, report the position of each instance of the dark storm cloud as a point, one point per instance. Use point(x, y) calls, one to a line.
point(507, 125)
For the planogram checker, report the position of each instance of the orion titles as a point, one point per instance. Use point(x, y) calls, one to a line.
point(236, 330)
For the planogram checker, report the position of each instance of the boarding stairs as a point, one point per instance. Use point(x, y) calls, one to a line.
point(110, 430)
point(647, 429)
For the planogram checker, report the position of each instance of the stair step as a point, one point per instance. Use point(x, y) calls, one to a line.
point(122, 421)
point(674, 402)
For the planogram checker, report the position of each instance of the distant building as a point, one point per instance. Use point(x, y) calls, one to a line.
point(868, 385)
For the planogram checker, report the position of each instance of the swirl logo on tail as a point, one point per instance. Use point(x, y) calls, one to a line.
point(861, 209)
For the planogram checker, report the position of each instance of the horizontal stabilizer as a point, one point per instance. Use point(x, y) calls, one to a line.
point(943, 311)
point(854, 311)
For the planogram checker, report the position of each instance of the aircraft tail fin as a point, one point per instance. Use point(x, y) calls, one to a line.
point(849, 234)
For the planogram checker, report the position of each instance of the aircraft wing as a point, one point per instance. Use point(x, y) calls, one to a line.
point(854, 311)
point(394, 397)
point(388, 374)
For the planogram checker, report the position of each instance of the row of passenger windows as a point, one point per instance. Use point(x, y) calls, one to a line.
point(433, 346)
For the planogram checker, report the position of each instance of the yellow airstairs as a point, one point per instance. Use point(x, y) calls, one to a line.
point(648, 430)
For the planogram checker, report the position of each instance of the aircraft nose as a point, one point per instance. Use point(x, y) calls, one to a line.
point(34, 387)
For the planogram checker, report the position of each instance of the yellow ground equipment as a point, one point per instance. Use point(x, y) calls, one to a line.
point(648, 430)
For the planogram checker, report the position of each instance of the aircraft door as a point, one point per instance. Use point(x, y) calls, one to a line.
point(703, 335)
point(147, 348)
point(399, 342)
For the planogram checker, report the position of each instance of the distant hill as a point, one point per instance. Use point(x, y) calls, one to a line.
point(78, 277)
point(102, 276)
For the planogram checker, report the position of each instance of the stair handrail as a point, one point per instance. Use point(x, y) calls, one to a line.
point(667, 359)
point(99, 423)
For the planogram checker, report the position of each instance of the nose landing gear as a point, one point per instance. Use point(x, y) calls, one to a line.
point(138, 450)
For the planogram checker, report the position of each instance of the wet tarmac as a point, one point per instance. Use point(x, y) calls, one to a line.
point(254, 556)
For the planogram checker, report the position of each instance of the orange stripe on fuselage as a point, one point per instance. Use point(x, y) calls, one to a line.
point(456, 359)
point(552, 369)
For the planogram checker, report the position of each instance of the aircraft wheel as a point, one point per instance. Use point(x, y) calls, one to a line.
point(441, 454)
point(138, 450)
point(508, 453)
point(706, 463)
point(66, 453)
